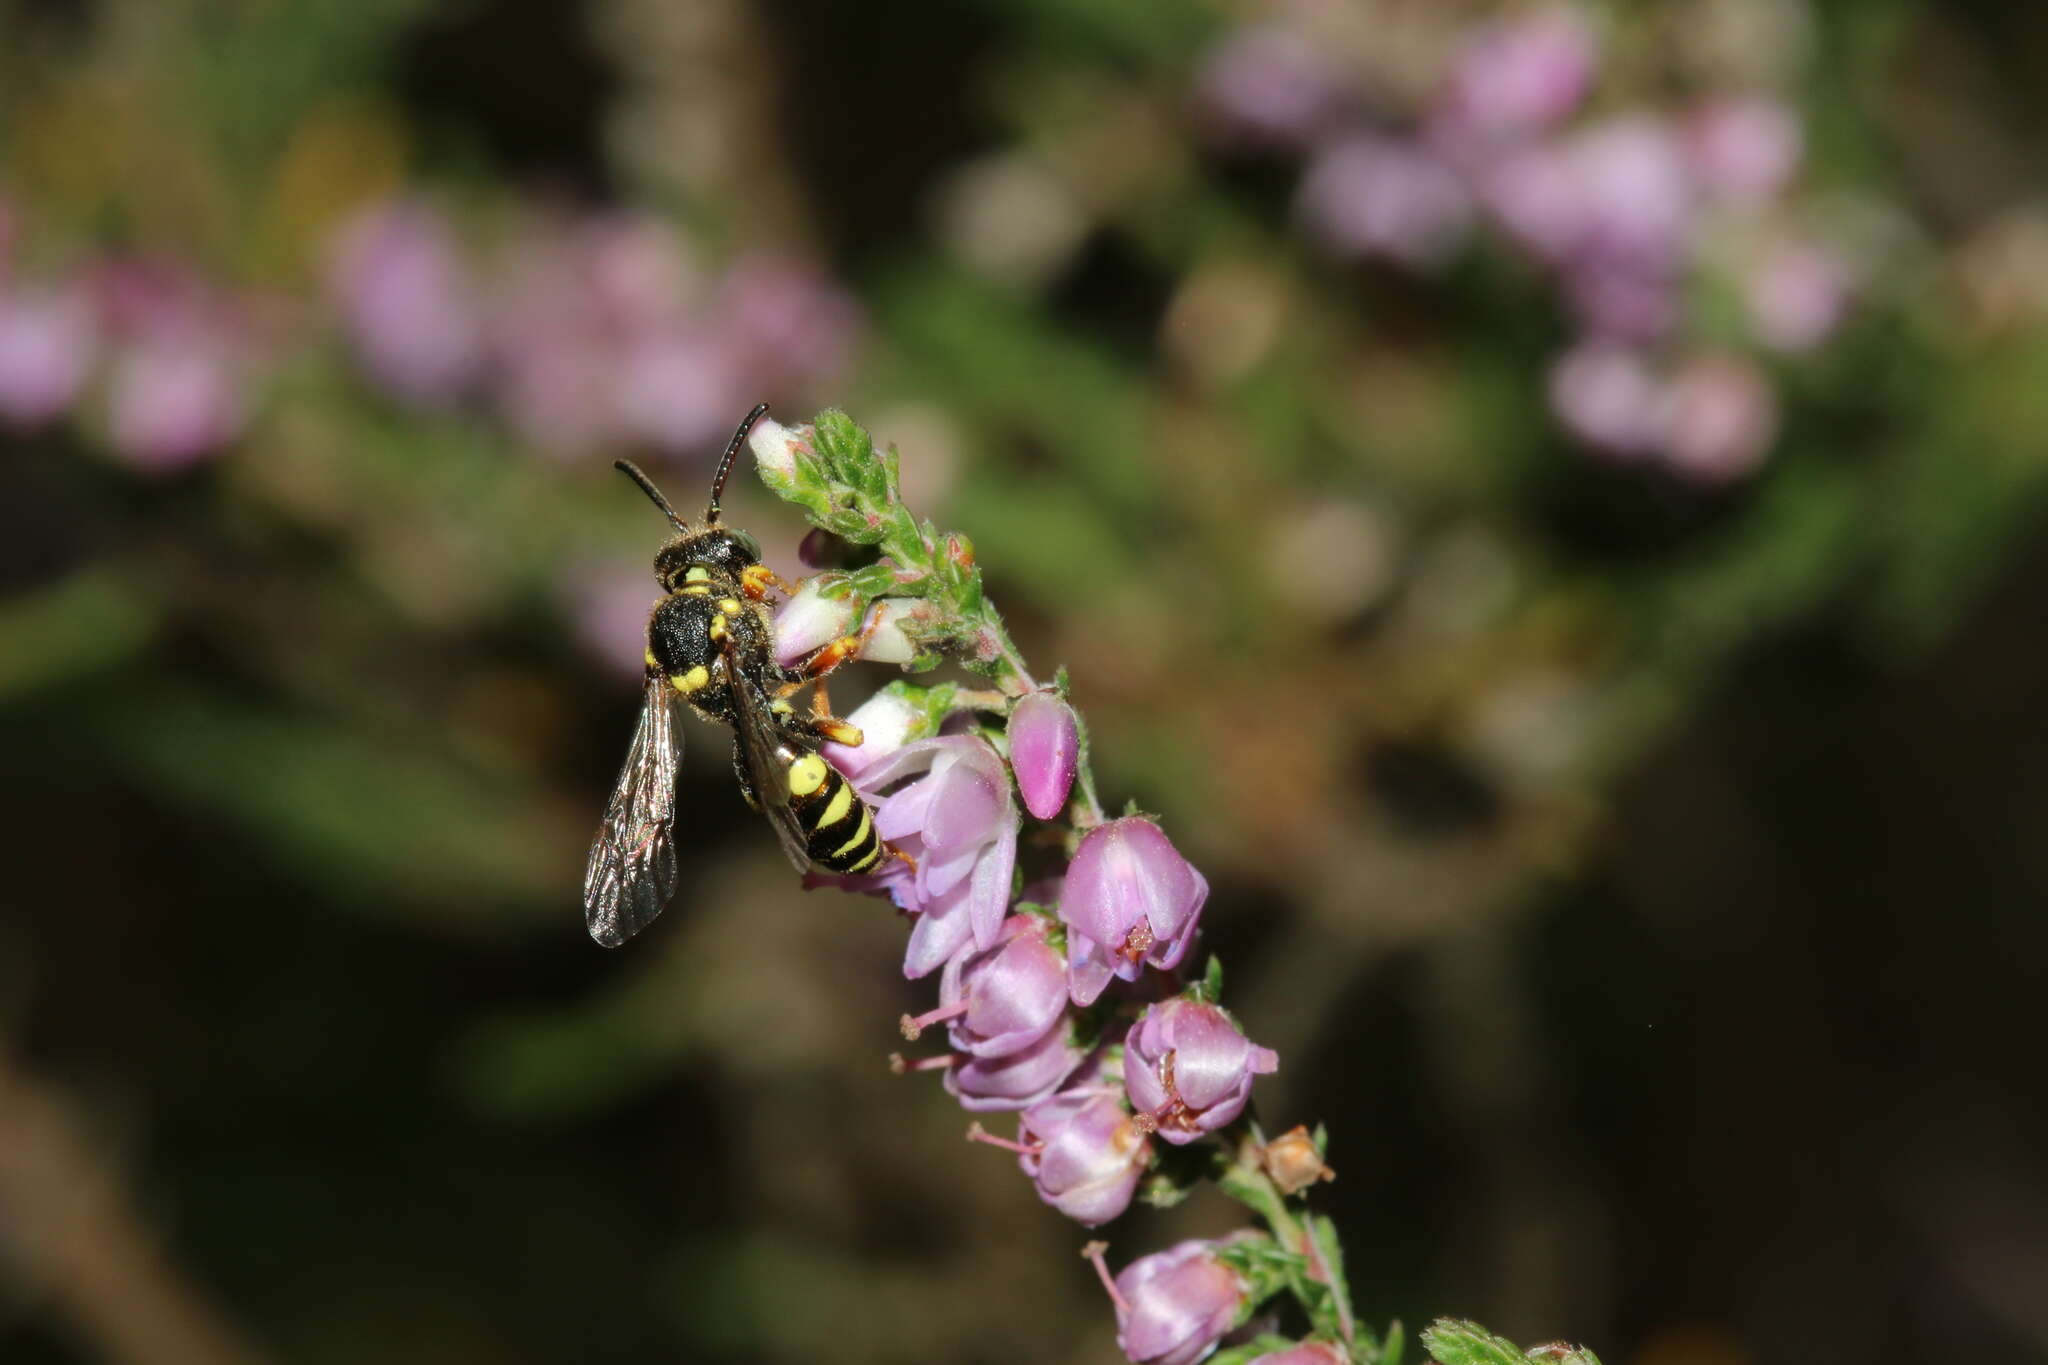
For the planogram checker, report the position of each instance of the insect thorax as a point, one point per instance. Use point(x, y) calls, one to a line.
point(694, 631)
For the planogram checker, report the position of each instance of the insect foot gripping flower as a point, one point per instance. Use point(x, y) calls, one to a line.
point(1045, 745)
point(1083, 1151)
point(812, 619)
point(887, 721)
point(1189, 1068)
point(956, 820)
point(1129, 899)
point(1173, 1306)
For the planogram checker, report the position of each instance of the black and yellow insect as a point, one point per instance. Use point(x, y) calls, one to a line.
point(711, 643)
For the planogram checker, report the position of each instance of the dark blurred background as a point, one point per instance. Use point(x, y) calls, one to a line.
point(1545, 501)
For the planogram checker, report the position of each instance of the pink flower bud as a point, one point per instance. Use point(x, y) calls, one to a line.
point(774, 446)
point(1129, 899)
point(1045, 744)
point(812, 619)
point(1175, 1305)
point(1189, 1068)
point(1086, 1152)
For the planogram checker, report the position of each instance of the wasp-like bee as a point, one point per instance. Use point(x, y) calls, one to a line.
point(711, 642)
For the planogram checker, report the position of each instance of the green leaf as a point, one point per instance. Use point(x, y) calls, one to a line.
point(1266, 1343)
point(1396, 1343)
point(1452, 1342)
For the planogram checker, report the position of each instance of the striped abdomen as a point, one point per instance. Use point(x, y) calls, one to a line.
point(838, 827)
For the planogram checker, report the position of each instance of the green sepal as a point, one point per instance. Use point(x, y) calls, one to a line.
point(1266, 1343)
point(1452, 1342)
point(932, 704)
point(1265, 1269)
point(1209, 989)
point(1177, 1170)
point(1391, 1349)
point(1562, 1353)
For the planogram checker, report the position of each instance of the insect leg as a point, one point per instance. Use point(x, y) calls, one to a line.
point(757, 579)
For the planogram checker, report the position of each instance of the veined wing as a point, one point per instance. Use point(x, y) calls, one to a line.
point(632, 871)
point(767, 753)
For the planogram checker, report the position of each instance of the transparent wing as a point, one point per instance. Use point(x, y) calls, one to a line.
point(632, 870)
point(768, 754)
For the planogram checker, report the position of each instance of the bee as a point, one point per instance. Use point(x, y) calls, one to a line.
point(711, 643)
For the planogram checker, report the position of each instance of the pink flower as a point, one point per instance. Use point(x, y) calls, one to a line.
point(887, 722)
point(1174, 1306)
point(1001, 1000)
point(956, 819)
point(1129, 899)
point(1045, 746)
point(1189, 1068)
point(813, 618)
point(1019, 1079)
point(1084, 1151)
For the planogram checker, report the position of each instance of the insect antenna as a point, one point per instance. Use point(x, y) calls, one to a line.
point(732, 449)
point(632, 471)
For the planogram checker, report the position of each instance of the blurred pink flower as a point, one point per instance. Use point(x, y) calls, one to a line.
point(1517, 78)
point(785, 321)
point(46, 350)
point(1744, 148)
point(1374, 195)
point(174, 398)
point(679, 388)
point(397, 277)
point(1607, 396)
point(1796, 293)
point(609, 602)
point(1268, 85)
point(639, 276)
point(1723, 418)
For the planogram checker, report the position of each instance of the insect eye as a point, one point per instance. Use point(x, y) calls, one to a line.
point(747, 543)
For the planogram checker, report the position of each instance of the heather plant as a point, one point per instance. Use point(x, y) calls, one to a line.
point(1069, 987)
